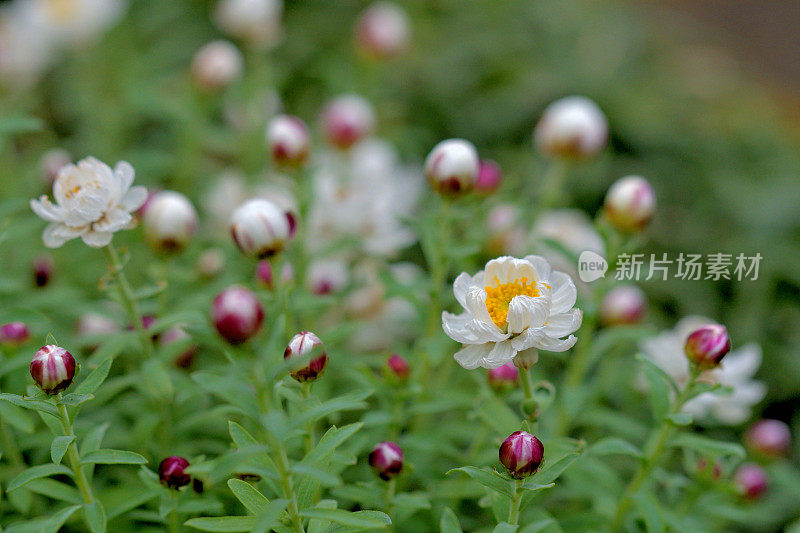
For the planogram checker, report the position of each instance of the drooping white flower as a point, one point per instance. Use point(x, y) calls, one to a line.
point(92, 202)
point(736, 371)
point(512, 306)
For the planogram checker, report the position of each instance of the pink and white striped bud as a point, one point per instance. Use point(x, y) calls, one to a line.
point(706, 346)
point(386, 460)
point(51, 162)
point(630, 204)
point(260, 228)
point(503, 377)
point(288, 140)
point(178, 334)
point(217, 65)
point(347, 119)
point(257, 22)
point(172, 472)
point(170, 221)
point(571, 128)
point(769, 438)
point(383, 30)
point(399, 366)
point(43, 268)
point(14, 334)
point(521, 454)
point(309, 347)
point(237, 314)
point(52, 369)
point(489, 176)
point(327, 276)
point(751, 480)
point(623, 305)
point(211, 263)
point(452, 166)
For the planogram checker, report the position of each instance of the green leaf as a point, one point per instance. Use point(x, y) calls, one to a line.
point(21, 124)
point(223, 523)
point(649, 510)
point(487, 478)
point(113, 457)
point(680, 419)
point(74, 399)
point(412, 501)
point(249, 496)
point(270, 516)
point(95, 379)
point(92, 440)
point(325, 479)
point(95, 516)
point(36, 405)
point(54, 489)
point(59, 447)
point(37, 472)
point(347, 402)
point(532, 486)
point(551, 471)
point(16, 417)
point(56, 520)
point(449, 522)
point(319, 457)
point(707, 446)
point(505, 527)
point(318, 525)
point(660, 384)
point(614, 446)
point(359, 519)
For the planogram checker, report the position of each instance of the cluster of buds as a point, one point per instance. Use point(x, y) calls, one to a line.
point(260, 228)
point(769, 438)
point(452, 167)
point(172, 472)
point(571, 128)
point(346, 120)
point(383, 30)
point(169, 221)
point(309, 347)
point(52, 369)
point(237, 314)
point(521, 454)
point(14, 334)
point(217, 65)
point(623, 305)
point(288, 140)
point(630, 204)
point(386, 460)
point(705, 347)
point(503, 377)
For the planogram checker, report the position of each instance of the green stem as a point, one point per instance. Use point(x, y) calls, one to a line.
point(527, 383)
point(72, 454)
point(390, 490)
point(553, 184)
point(287, 484)
point(305, 389)
point(174, 516)
point(655, 447)
point(513, 511)
point(128, 299)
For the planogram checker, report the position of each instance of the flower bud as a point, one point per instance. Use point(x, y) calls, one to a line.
point(630, 203)
point(14, 334)
point(211, 263)
point(705, 347)
point(346, 120)
point(327, 276)
point(623, 305)
point(51, 162)
point(52, 368)
point(525, 359)
point(383, 30)
point(751, 480)
point(172, 472)
point(308, 346)
point(169, 221)
point(288, 140)
point(571, 128)
point(257, 22)
point(452, 166)
point(489, 176)
point(521, 454)
point(237, 314)
point(217, 65)
point(43, 270)
point(386, 460)
point(260, 228)
point(264, 275)
point(399, 366)
point(709, 471)
point(178, 334)
point(503, 377)
point(769, 438)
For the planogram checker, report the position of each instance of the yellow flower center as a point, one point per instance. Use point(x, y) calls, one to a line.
point(499, 297)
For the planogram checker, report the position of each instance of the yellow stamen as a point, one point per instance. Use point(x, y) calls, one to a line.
point(499, 297)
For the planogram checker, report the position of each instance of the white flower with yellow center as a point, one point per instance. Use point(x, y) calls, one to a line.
point(513, 306)
point(92, 202)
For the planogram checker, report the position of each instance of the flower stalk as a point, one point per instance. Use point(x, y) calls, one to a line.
point(128, 298)
point(516, 501)
point(72, 454)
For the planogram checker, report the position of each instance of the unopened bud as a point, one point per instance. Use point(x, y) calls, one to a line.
point(170, 221)
point(178, 334)
point(705, 347)
point(386, 460)
point(308, 346)
point(525, 359)
point(521, 454)
point(217, 65)
point(14, 334)
point(571, 128)
point(347, 119)
point(172, 472)
point(504, 377)
point(237, 314)
point(383, 30)
point(399, 366)
point(52, 368)
point(260, 228)
point(43, 270)
point(623, 305)
point(211, 263)
point(288, 140)
point(769, 438)
point(751, 480)
point(489, 176)
point(630, 204)
point(327, 276)
point(452, 166)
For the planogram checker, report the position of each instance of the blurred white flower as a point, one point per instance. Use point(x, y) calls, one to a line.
point(347, 119)
point(572, 127)
point(327, 276)
point(69, 22)
point(217, 65)
point(92, 202)
point(736, 371)
point(257, 22)
point(514, 305)
point(22, 59)
point(383, 30)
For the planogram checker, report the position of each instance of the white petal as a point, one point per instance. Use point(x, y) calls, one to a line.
point(528, 339)
point(556, 345)
point(507, 269)
point(455, 327)
point(472, 355)
point(125, 173)
point(731, 414)
point(563, 293)
point(476, 305)
point(461, 286)
point(741, 363)
point(564, 323)
point(134, 198)
point(46, 210)
point(541, 265)
point(527, 311)
point(502, 353)
point(97, 239)
point(55, 235)
point(114, 220)
point(486, 331)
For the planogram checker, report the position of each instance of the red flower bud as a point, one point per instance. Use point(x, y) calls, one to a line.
point(14, 334)
point(177, 334)
point(623, 305)
point(386, 460)
point(521, 453)
point(308, 346)
point(398, 365)
point(172, 472)
point(503, 377)
point(237, 314)
point(769, 438)
point(706, 346)
point(751, 480)
point(52, 368)
point(489, 176)
point(42, 270)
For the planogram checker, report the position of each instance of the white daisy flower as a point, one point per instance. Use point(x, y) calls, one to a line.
point(735, 371)
point(512, 306)
point(92, 202)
